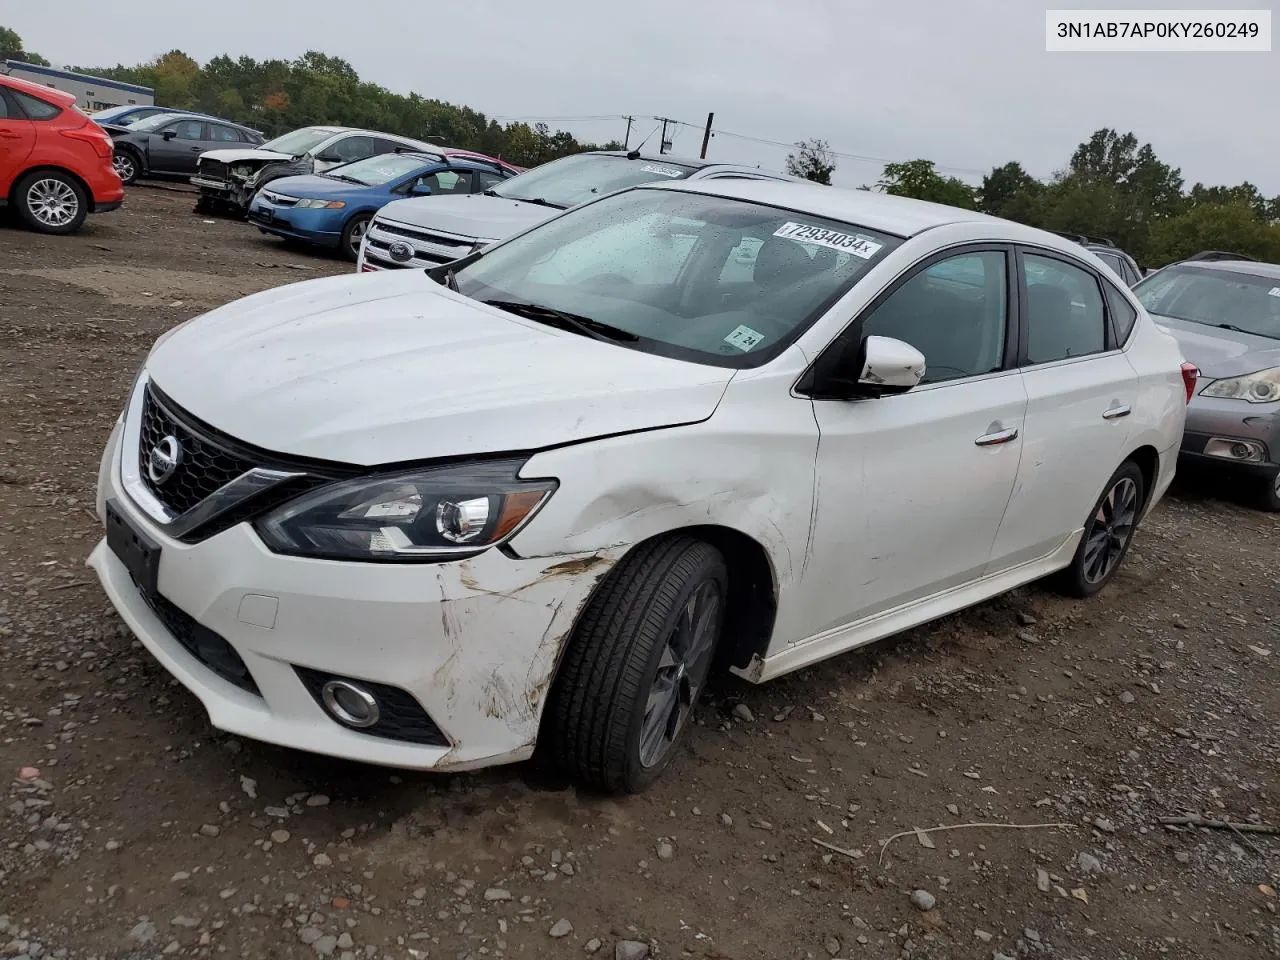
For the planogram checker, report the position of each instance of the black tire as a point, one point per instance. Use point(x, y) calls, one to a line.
point(203, 204)
point(1269, 494)
point(597, 710)
point(1106, 530)
point(352, 233)
point(128, 165)
point(36, 198)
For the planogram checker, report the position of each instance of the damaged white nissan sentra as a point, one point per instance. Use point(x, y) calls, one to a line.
point(428, 519)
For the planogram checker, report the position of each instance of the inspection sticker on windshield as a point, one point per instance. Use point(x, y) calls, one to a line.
point(863, 247)
point(744, 338)
point(1274, 291)
point(662, 171)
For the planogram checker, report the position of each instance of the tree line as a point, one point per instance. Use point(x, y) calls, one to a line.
point(276, 96)
point(1112, 188)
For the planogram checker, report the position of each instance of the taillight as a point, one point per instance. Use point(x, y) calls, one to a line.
point(1190, 374)
point(93, 135)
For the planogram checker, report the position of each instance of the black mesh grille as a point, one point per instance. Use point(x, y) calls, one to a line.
point(203, 467)
point(401, 717)
point(213, 169)
point(202, 643)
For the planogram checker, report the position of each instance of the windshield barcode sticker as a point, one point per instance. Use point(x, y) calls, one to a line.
point(662, 171)
point(744, 338)
point(862, 247)
point(1274, 291)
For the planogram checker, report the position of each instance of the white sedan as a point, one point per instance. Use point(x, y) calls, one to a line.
point(425, 519)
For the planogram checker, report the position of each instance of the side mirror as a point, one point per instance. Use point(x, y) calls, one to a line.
point(889, 366)
point(329, 158)
point(169, 134)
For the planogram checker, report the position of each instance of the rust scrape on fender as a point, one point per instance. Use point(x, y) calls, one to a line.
point(575, 566)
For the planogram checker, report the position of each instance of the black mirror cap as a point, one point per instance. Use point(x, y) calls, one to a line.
point(835, 374)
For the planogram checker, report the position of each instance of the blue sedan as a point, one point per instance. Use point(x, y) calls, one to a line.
point(333, 209)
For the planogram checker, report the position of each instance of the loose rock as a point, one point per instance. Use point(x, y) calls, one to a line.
point(742, 712)
point(561, 928)
point(923, 900)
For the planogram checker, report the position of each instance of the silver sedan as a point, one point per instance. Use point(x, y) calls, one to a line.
point(1226, 316)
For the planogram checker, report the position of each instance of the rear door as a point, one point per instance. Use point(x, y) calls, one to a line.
point(1081, 390)
point(17, 138)
point(177, 146)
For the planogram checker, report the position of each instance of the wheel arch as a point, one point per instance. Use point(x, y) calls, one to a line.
point(138, 155)
point(53, 168)
point(1147, 459)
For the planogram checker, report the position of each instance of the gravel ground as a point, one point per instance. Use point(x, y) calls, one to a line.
point(130, 828)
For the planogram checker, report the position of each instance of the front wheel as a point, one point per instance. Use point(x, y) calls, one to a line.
point(50, 201)
point(636, 663)
point(1269, 494)
point(352, 235)
point(1108, 532)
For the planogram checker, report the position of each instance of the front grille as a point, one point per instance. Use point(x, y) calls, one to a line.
point(401, 716)
point(426, 236)
point(202, 643)
point(203, 467)
point(279, 200)
point(213, 169)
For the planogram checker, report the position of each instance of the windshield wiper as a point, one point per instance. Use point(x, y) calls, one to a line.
point(540, 201)
point(563, 320)
point(341, 176)
point(1234, 328)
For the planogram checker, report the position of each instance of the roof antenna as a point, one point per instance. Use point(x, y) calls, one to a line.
point(635, 154)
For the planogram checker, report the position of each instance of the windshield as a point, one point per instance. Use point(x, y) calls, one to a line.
point(572, 180)
point(155, 122)
point(298, 142)
point(375, 171)
point(1214, 297)
point(700, 278)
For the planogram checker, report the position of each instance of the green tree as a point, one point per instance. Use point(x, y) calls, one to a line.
point(812, 160)
point(1233, 226)
point(919, 179)
point(1009, 191)
point(11, 49)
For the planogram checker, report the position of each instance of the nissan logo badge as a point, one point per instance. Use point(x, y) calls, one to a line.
point(164, 459)
point(400, 252)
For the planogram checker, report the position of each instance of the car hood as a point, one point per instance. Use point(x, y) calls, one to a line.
point(472, 215)
point(1221, 353)
point(391, 367)
point(310, 185)
point(243, 154)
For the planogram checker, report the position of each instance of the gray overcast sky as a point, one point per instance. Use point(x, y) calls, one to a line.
point(965, 83)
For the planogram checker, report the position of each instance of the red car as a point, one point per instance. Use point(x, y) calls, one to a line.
point(509, 167)
point(55, 163)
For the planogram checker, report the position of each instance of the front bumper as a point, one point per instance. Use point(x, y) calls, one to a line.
point(475, 643)
point(322, 227)
point(1232, 435)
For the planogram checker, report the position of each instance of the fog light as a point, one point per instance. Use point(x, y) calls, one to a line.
point(350, 704)
point(1231, 449)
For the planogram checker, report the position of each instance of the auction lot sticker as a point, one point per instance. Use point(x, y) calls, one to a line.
point(863, 247)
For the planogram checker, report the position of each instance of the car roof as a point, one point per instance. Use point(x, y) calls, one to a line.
point(38, 90)
point(695, 162)
point(900, 216)
point(1251, 267)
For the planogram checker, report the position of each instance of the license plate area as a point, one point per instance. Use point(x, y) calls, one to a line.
point(139, 553)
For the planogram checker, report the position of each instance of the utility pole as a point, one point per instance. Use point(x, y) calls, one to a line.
point(706, 136)
point(663, 143)
point(626, 141)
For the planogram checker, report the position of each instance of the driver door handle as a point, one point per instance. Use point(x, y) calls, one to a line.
point(1115, 413)
point(999, 437)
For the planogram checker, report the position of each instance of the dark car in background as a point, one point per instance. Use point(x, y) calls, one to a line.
point(1226, 316)
point(170, 144)
point(333, 209)
point(130, 113)
point(1125, 267)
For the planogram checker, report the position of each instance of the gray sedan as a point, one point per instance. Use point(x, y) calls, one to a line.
point(1226, 316)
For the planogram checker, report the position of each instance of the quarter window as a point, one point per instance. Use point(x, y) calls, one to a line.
point(1065, 316)
point(954, 312)
point(224, 134)
point(1123, 316)
point(35, 108)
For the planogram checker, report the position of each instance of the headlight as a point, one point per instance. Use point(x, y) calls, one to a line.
point(1260, 387)
point(441, 513)
point(320, 204)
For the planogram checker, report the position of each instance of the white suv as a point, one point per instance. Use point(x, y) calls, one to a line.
point(426, 231)
point(425, 518)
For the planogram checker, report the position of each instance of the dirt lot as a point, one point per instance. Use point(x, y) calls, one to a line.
point(130, 828)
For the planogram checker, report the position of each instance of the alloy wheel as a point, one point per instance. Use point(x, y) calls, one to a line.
point(356, 235)
point(124, 166)
point(53, 202)
point(1110, 530)
point(682, 670)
